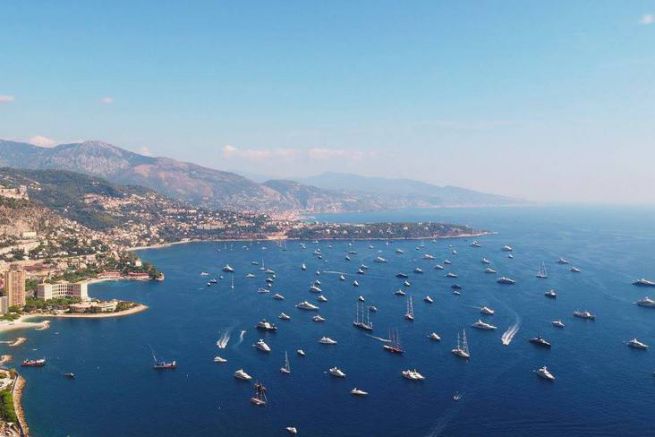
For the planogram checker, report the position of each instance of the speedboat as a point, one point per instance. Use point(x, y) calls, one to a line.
point(262, 346)
point(342, 278)
point(304, 305)
point(292, 430)
point(335, 371)
point(575, 270)
point(540, 341)
point(489, 270)
point(438, 267)
point(400, 251)
point(428, 299)
point(318, 319)
point(447, 262)
point(505, 280)
point(321, 298)
point(380, 260)
point(228, 269)
point(428, 256)
point(219, 359)
point(402, 275)
point(358, 392)
point(413, 375)
point(327, 340)
point(250, 276)
point(551, 294)
point(407, 284)
point(487, 311)
point(484, 326)
point(241, 374)
point(646, 302)
point(300, 352)
point(418, 270)
point(399, 292)
point(373, 309)
point(434, 336)
point(284, 316)
point(361, 298)
point(278, 296)
point(265, 325)
point(451, 275)
point(315, 289)
point(636, 344)
point(644, 283)
point(544, 373)
point(584, 315)
point(558, 323)
point(562, 261)
point(507, 248)
point(355, 284)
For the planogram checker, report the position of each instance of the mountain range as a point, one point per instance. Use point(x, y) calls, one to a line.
point(211, 188)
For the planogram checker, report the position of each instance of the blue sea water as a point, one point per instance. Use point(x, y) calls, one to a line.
point(602, 387)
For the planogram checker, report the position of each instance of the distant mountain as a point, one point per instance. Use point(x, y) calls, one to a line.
point(422, 193)
point(206, 187)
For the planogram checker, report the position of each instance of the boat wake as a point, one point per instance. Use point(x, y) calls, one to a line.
point(224, 339)
point(241, 335)
point(383, 340)
point(508, 335)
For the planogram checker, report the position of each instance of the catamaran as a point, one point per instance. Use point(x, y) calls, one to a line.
point(286, 368)
point(542, 273)
point(462, 349)
point(362, 322)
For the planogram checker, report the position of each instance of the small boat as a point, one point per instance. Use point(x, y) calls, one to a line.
point(462, 349)
point(409, 314)
point(451, 275)
point(428, 256)
point(552, 294)
point(489, 270)
point(485, 261)
point(318, 318)
point(262, 346)
point(278, 296)
point(438, 267)
point(161, 364)
point(355, 284)
point(270, 272)
point(562, 261)
point(402, 275)
point(342, 278)
point(300, 352)
point(544, 373)
point(457, 396)
point(476, 243)
point(259, 398)
point(69, 375)
point(213, 281)
point(360, 272)
point(265, 325)
point(487, 311)
point(418, 270)
point(412, 375)
point(335, 371)
point(434, 336)
point(347, 258)
point(505, 280)
point(483, 326)
point(399, 292)
point(250, 275)
point(575, 270)
point(373, 309)
point(286, 368)
point(204, 274)
point(456, 287)
point(34, 363)
point(284, 316)
point(304, 305)
point(646, 302)
point(263, 290)
point(315, 289)
point(303, 267)
point(327, 341)
point(584, 315)
point(457, 293)
point(228, 269)
point(394, 343)
point(321, 298)
point(428, 299)
point(292, 430)
point(447, 262)
point(358, 392)
point(407, 284)
point(644, 283)
point(540, 341)
point(219, 359)
point(510, 256)
point(558, 323)
point(361, 298)
point(636, 344)
point(400, 251)
point(507, 248)
point(241, 374)
point(380, 260)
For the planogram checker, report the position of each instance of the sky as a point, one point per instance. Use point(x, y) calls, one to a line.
point(543, 100)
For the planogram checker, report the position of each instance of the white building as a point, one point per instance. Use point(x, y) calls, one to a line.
point(62, 289)
point(4, 304)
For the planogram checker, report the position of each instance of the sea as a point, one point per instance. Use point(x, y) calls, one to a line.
point(602, 387)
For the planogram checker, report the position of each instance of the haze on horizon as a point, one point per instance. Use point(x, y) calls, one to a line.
point(547, 101)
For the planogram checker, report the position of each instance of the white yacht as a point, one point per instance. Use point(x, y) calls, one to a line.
point(400, 251)
point(428, 256)
point(487, 311)
point(263, 290)
point(335, 371)
point(228, 269)
point(434, 336)
point(303, 267)
point(327, 340)
point(358, 392)
point(265, 325)
point(250, 275)
point(451, 275)
point(507, 248)
point(413, 375)
point(278, 296)
point(551, 294)
point(428, 299)
point(362, 318)
point(399, 292)
point(484, 326)
point(219, 359)
point(318, 319)
point(505, 280)
point(558, 323)
point(361, 298)
point(584, 315)
point(438, 267)
point(407, 284)
point(544, 373)
point(373, 309)
point(646, 302)
point(380, 260)
point(462, 349)
point(204, 274)
point(418, 270)
point(562, 261)
point(489, 270)
point(300, 352)
point(262, 346)
point(304, 305)
point(315, 289)
point(485, 261)
point(476, 243)
point(292, 430)
point(286, 368)
point(321, 298)
point(241, 374)
point(342, 278)
point(636, 344)
point(284, 316)
point(575, 270)
point(644, 283)
point(355, 284)
point(447, 262)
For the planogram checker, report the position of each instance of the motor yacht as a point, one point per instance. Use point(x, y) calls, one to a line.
point(558, 323)
point(505, 280)
point(327, 340)
point(335, 371)
point(262, 346)
point(636, 344)
point(544, 373)
point(228, 269)
point(318, 319)
point(241, 374)
point(219, 359)
point(434, 336)
point(487, 311)
point(428, 299)
point(278, 296)
point(284, 316)
point(584, 315)
point(304, 305)
point(300, 352)
point(507, 248)
point(412, 375)
point(484, 326)
point(399, 292)
point(644, 283)
point(439, 267)
point(418, 270)
point(358, 392)
point(646, 302)
point(489, 270)
point(451, 275)
point(552, 294)
point(540, 341)
point(265, 325)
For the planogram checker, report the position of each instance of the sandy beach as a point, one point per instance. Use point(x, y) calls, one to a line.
point(22, 323)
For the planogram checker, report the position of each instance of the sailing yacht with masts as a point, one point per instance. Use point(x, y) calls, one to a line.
point(394, 343)
point(462, 349)
point(363, 321)
point(259, 398)
point(286, 369)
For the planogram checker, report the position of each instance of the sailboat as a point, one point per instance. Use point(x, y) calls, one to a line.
point(394, 343)
point(409, 315)
point(462, 349)
point(542, 273)
point(286, 369)
point(363, 322)
point(259, 397)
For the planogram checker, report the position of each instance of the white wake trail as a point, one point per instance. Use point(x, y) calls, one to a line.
point(508, 335)
point(383, 340)
point(224, 339)
point(243, 334)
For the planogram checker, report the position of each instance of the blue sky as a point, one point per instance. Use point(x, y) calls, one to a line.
point(550, 101)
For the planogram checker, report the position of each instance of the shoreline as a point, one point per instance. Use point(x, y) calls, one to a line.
point(284, 238)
